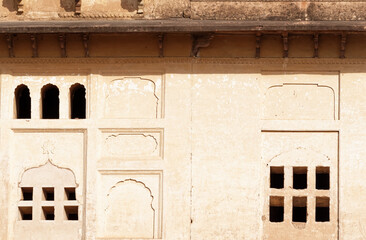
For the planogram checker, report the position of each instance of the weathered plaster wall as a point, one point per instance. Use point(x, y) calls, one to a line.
point(203, 157)
point(190, 141)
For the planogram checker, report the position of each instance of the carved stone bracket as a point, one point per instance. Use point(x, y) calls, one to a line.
point(161, 44)
point(200, 41)
point(258, 45)
point(77, 7)
point(285, 44)
point(86, 44)
point(19, 4)
point(316, 45)
point(33, 38)
point(62, 41)
point(343, 45)
point(10, 43)
point(140, 7)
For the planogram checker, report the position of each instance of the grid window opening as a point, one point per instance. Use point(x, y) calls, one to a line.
point(300, 177)
point(48, 213)
point(70, 194)
point(25, 213)
point(277, 177)
point(48, 194)
point(299, 209)
point(276, 209)
point(322, 178)
point(27, 194)
point(71, 213)
point(322, 209)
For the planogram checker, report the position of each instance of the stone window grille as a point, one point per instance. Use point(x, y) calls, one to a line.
point(299, 185)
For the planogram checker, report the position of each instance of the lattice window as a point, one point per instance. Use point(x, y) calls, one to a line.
point(46, 193)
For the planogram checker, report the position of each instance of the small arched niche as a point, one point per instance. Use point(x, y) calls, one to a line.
point(77, 101)
point(50, 102)
point(22, 102)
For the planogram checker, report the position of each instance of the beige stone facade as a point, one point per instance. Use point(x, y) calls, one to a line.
point(129, 128)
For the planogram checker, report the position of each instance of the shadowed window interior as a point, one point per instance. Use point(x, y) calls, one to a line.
point(25, 213)
point(70, 194)
point(22, 102)
point(276, 209)
point(50, 102)
point(300, 177)
point(322, 209)
point(277, 177)
point(48, 213)
point(78, 101)
point(322, 178)
point(48, 194)
point(27, 193)
point(71, 213)
point(299, 209)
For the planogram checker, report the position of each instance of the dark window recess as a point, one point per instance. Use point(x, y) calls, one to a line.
point(71, 213)
point(27, 193)
point(48, 213)
point(48, 194)
point(22, 102)
point(277, 177)
point(25, 213)
point(276, 209)
point(300, 177)
point(322, 178)
point(70, 194)
point(78, 101)
point(50, 102)
point(322, 209)
point(299, 209)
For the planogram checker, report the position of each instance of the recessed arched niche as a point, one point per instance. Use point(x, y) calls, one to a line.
point(22, 102)
point(50, 102)
point(130, 212)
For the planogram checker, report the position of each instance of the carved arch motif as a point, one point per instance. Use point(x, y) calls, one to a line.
point(300, 101)
point(130, 212)
point(132, 97)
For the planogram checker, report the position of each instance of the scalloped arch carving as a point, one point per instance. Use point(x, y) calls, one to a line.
point(130, 212)
point(300, 101)
point(131, 97)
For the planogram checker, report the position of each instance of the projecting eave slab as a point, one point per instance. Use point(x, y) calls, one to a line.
point(178, 25)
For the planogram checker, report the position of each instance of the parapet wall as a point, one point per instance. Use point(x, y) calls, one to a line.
point(194, 9)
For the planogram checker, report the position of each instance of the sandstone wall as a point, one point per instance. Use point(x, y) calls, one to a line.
point(194, 9)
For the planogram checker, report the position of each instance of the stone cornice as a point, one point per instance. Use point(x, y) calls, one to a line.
point(186, 25)
point(187, 60)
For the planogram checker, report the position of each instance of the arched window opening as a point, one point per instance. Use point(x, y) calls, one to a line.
point(22, 102)
point(50, 102)
point(77, 101)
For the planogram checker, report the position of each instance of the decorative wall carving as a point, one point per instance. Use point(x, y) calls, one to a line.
point(133, 97)
point(20, 5)
point(300, 101)
point(132, 204)
point(130, 212)
point(42, 203)
point(291, 96)
point(133, 144)
point(308, 151)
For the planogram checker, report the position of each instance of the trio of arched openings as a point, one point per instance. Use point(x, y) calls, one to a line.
point(50, 102)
